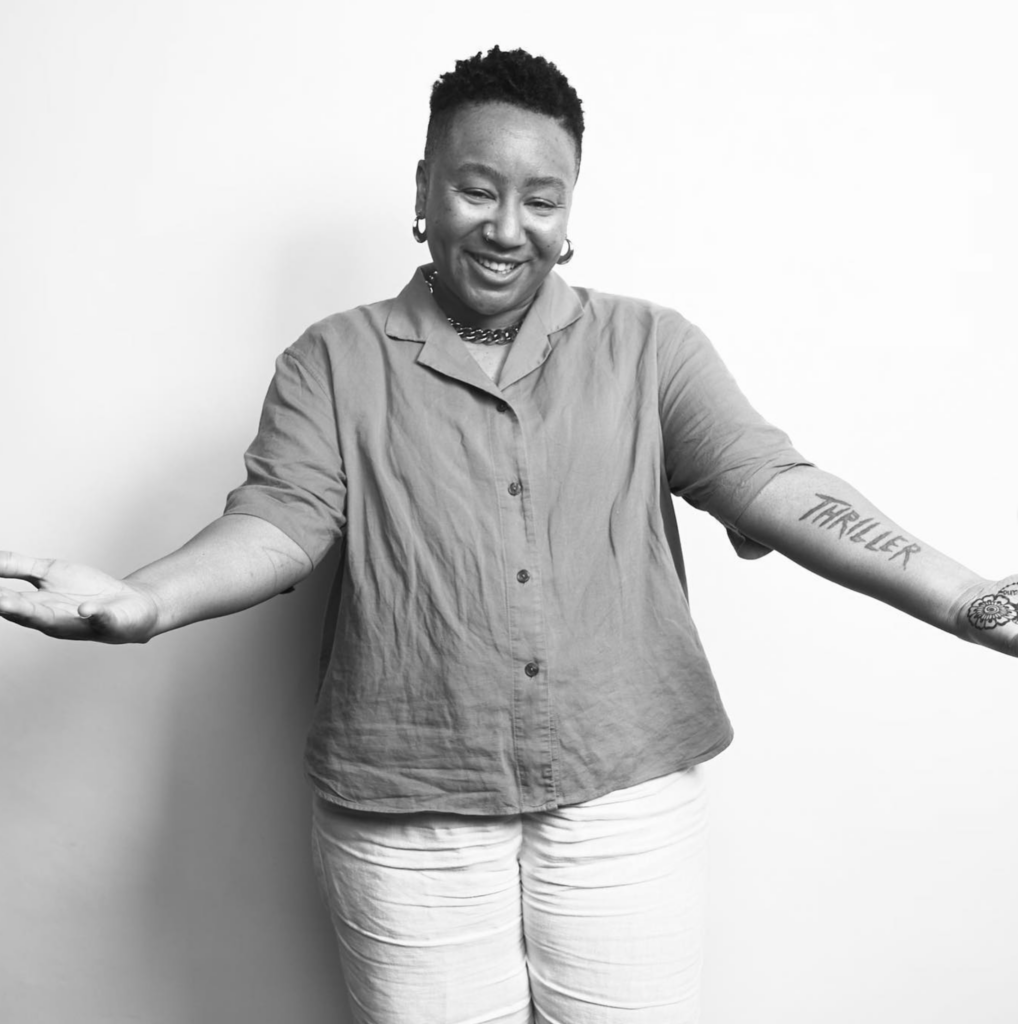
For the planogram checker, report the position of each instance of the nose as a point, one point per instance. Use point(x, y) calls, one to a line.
point(506, 226)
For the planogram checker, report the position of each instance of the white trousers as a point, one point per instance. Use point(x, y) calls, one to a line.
point(590, 914)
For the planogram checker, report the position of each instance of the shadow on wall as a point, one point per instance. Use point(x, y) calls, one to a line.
point(233, 915)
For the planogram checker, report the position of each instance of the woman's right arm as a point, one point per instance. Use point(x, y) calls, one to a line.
point(237, 561)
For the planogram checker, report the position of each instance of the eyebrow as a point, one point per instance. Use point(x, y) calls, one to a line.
point(537, 182)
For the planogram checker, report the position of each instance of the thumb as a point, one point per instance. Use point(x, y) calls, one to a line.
point(116, 621)
point(100, 617)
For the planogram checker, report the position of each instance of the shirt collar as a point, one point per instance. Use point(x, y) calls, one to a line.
point(415, 315)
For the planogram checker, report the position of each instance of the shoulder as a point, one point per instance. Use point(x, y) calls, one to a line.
point(633, 318)
point(340, 339)
point(350, 327)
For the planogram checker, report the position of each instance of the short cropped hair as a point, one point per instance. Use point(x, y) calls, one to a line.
point(505, 76)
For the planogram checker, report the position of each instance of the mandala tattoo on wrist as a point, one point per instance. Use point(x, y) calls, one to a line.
point(992, 610)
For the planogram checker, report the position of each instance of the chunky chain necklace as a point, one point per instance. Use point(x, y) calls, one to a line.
point(477, 335)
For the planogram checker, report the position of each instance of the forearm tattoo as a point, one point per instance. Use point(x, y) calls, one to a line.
point(992, 610)
point(836, 514)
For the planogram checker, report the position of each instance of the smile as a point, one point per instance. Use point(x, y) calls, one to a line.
point(495, 266)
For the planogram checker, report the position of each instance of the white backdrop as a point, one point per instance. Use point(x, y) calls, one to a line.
point(827, 188)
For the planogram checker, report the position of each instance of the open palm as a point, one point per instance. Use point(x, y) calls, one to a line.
point(75, 602)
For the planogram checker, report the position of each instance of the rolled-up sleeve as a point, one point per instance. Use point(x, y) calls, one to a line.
point(719, 451)
point(295, 477)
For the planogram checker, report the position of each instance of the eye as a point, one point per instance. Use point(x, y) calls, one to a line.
point(544, 205)
point(478, 194)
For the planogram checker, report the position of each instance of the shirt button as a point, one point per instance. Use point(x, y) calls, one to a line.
point(531, 669)
point(523, 575)
point(515, 488)
point(501, 407)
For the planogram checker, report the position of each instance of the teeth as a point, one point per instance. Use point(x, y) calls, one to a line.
point(498, 268)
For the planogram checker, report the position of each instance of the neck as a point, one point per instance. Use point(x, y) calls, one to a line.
point(452, 307)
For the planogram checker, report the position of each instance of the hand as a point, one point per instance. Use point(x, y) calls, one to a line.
point(988, 615)
point(75, 602)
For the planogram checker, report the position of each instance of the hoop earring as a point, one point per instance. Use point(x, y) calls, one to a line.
point(420, 236)
point(568, 255)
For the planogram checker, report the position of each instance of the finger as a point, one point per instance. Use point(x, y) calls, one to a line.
point(23, 567)
point(17, 609)
point(12, 603)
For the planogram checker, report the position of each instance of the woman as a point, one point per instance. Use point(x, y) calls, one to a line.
point(508, 813)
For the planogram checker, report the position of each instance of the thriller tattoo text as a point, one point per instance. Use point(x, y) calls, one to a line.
point(836, 514)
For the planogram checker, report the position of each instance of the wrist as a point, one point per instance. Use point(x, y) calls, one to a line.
point(987, 613)
point(157, 617)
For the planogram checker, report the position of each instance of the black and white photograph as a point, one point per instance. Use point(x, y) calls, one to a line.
point(509, 514)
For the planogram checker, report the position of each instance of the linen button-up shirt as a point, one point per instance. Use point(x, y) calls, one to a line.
point(508, 629)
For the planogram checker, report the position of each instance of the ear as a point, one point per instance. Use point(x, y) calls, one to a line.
point(422, 187)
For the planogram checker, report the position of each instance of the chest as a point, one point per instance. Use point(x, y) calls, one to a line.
point(490, 358)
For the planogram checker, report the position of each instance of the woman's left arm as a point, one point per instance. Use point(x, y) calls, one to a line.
point(826, 525)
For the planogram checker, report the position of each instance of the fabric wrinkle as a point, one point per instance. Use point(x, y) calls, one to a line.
point(500, 642)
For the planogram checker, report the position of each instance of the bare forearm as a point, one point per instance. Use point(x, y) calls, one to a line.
point(826, 525)
point(237, 561)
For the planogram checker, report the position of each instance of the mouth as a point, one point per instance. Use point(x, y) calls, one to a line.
point(502, 268)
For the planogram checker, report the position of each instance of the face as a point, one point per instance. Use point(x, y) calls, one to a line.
point(496, 195)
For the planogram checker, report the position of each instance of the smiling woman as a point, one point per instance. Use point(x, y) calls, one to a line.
point(508, 810)
point(496, 194)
